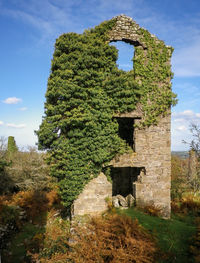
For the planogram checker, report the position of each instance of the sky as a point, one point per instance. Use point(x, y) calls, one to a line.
point(29, 28)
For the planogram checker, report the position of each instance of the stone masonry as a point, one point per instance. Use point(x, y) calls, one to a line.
point(151, 156)
point(93, 198)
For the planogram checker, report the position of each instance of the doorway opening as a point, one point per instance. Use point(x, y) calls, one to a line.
point(123, 179)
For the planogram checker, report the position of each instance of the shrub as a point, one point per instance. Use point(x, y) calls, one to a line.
point(28, 171)
point(179, 172)
point(10, 221)
point(53, 241)
point(195, 247)
point(112, 238)
point(152, 210)
point(35, 202)
point(5, 181)
point(190, 205)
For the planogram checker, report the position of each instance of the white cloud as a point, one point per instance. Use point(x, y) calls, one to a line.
point(1, 123)
point(178, 119)
point(182, 128)
point(188, 115)
point(23, 109)
point(181, 122)
point(129, 66)
point(16, 126)
point(12, 100)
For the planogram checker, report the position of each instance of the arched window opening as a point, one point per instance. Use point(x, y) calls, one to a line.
point(125, 55)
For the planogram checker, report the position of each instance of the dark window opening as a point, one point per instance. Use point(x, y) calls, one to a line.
point(126, 130)
point(125, 54)
point(123, 179)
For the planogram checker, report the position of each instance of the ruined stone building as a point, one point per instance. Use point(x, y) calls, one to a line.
point(145, 172)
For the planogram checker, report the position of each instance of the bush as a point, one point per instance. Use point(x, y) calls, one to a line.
point(195, 247)
point(112, 238)
point(53, 241)
point(28, 171)
point(179, 172)
point(35, 202)
point(10, 221)
point(190, 204)
point(152, 210)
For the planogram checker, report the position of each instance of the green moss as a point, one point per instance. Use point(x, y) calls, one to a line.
point(85, 90)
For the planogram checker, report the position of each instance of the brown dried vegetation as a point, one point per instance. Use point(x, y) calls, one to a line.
point(112, 238)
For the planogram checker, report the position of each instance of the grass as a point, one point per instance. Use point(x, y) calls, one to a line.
point(17, 244)
point(173, 235)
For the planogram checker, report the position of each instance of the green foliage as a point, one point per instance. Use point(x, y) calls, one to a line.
point(153, 72)
point(85, 90)
point(3, 161)
point(9, 214)
point(3, 164)
point(12, 147)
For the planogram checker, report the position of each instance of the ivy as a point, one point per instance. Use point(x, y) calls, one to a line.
point(85, 90)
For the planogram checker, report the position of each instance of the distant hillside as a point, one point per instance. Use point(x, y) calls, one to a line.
point(181, 154)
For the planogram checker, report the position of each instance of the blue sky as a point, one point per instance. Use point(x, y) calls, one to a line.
point(29, 28)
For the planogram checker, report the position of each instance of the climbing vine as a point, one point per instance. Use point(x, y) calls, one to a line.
point(153, 74)
point(85, 90)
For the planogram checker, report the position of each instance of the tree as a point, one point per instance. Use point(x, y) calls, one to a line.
point(5, 181)
point(12, 147)
point(78, 128)
point(179, 171)
point(3, 162)
point(194, 158)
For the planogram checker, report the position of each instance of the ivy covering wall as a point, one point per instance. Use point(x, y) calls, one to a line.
point(85, 90)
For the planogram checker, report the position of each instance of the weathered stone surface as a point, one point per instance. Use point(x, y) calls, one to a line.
point(92, 199)
point(115, 201)
point(154, 184)
point(130, 200)
point(122, 201)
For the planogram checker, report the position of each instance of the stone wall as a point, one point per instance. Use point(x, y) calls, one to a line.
point(152, 150)
point(93, 198)
point(153, 153)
